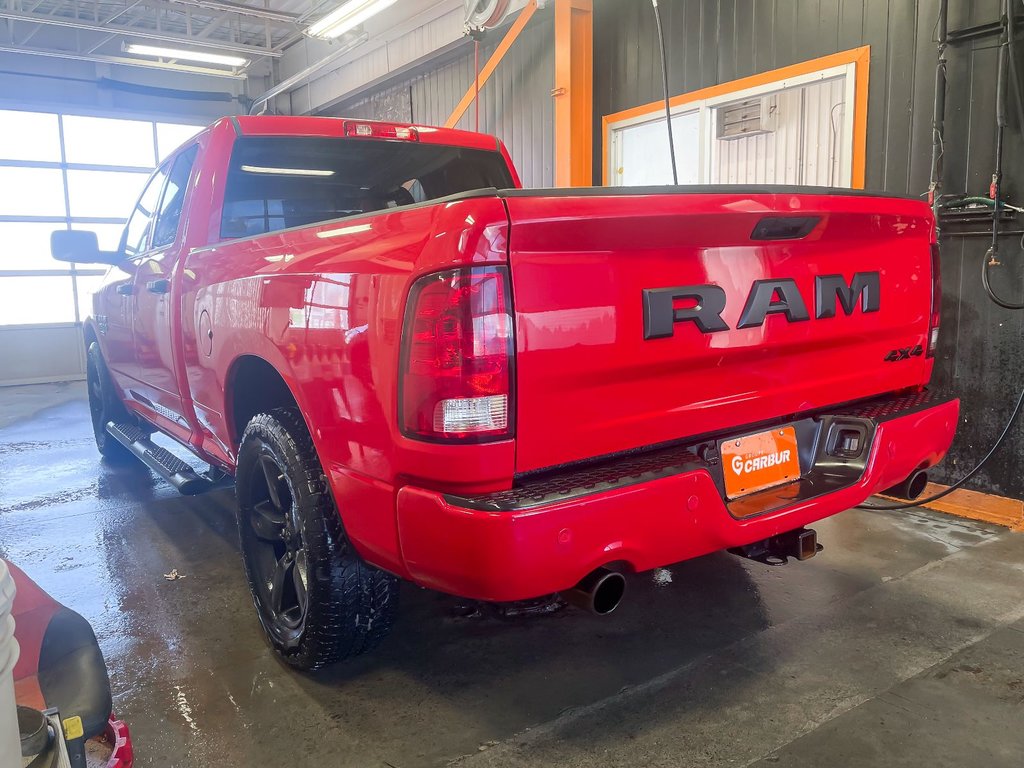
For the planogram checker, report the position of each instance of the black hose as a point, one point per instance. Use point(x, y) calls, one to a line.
point(987, 285)
point(965, 478)
point(939, 113)
point(664, 85)
point(1011, 41)
point(1006, 45)
point(992, 256)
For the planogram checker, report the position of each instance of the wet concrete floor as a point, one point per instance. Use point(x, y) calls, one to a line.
point(902, 644)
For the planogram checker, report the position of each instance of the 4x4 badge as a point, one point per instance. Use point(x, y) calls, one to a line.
point(904, 354)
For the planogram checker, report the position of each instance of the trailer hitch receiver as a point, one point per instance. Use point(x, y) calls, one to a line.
point(801, 544)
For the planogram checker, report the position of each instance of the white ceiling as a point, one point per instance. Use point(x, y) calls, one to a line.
point(95, 30)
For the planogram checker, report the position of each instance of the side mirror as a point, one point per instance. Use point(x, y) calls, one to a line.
point(80, 246)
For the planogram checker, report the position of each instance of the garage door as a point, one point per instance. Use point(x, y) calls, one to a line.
point(59, 171)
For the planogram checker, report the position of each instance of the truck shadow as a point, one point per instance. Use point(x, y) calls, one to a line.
point(488, 677)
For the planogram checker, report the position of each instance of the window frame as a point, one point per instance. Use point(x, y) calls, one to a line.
point(151, 219)
point(158, 215)
point(852, 64)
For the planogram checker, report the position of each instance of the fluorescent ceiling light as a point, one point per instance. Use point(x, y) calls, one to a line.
point(287, 171)
point(348, 16)
point(177, 53)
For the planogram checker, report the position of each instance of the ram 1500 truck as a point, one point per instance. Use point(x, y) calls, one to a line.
point(415, 369)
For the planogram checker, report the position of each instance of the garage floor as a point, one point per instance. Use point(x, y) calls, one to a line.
point(901, 645)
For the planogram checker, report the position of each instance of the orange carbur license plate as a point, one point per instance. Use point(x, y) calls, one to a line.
point(756, 462)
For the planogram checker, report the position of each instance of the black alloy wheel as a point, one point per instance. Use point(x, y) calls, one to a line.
point(319, 602)
point(273, 546)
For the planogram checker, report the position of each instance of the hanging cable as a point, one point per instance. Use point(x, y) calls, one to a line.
point(939, 112)
point(1004, 63)
point(476, 81)
point(664, 85)
point(977, 468)
point(1005, 48)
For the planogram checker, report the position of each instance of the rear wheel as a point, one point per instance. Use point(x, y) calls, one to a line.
point(317, 600)
point(104, 406)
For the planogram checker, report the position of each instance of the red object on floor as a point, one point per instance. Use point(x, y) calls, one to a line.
point(117, 734)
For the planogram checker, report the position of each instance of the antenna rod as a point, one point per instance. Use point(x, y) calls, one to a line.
point(664, 85)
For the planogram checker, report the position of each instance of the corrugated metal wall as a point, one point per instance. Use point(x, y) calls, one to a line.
point(981, 354)
point(515, 104)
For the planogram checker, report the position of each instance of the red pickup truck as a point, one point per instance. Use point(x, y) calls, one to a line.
point(414, 369)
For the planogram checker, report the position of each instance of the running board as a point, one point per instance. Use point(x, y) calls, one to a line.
point(172, 469)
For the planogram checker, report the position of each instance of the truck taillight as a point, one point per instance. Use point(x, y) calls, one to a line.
point(377, 130)
point(457, 356)
point(936, 310)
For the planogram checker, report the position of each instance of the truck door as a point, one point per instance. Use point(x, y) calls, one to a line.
point(155, 312)
point(114, 304)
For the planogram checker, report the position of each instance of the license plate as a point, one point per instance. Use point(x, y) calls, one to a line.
point(760, 461)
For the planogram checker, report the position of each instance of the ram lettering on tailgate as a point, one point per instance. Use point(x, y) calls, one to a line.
point(706, 303)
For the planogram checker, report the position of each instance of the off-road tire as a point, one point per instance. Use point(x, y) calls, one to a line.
point(350, 605)
point(105, 406)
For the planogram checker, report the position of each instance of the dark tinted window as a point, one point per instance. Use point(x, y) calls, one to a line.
point(169, 215)
point(280, 182)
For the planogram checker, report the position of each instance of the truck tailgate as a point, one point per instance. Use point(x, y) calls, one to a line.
point(584, 265)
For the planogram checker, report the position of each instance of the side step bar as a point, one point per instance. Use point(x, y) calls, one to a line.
point(172, 469)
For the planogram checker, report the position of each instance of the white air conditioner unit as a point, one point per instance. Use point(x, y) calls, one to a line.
point(749, 117)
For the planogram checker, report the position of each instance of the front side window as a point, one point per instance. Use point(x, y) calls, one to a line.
point(136, 233)
point(169, 215)
point(280, 182)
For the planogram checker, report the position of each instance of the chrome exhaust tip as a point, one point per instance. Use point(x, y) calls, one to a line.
point(911, 488)
point(599, 592)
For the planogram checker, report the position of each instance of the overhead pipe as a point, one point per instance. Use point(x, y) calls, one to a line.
point(124, 61)
point(300, 77)
point(241, 10)
point(32, 18)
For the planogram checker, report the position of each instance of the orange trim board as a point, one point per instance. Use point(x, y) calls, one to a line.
point(975, 505)
point(860, 57)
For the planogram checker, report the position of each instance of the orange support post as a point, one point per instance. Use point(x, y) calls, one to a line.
point(574, 92)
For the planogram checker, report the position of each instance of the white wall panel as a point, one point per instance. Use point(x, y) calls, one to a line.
point(33, 355)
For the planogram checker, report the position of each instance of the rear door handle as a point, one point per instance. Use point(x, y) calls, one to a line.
point(125, 289)
point(158, 286)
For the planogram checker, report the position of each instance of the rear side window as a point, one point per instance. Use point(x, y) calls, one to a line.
point(280, 182)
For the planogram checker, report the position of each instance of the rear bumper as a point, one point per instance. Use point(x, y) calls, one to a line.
point(546, 536)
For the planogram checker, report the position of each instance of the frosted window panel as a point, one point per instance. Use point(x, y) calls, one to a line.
point(26, 245)
point(108, 141)
point(87, 286)
point(108, 194)
point(108, 235)
point(29, 136)
point(33, 300)
point(31, 192)
point(170, 136)
point(644, 156)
